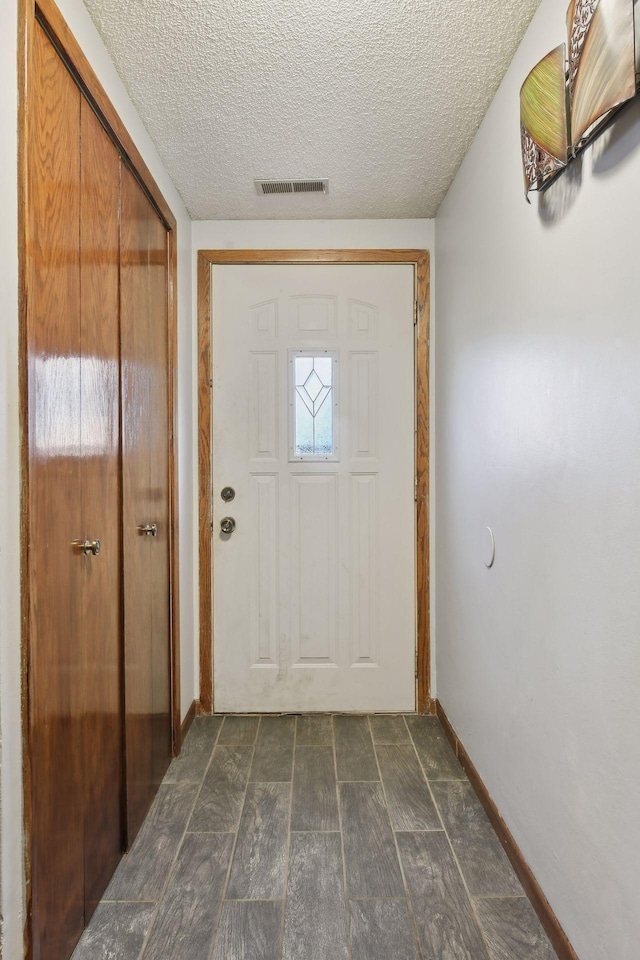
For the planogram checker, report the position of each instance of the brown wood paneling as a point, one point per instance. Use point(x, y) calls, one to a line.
point(51, 383)
point(541, 905)
point(48, 14)
point(136, 498)
point(143, 319)
point(100, 486)
point(421, 261)
point(158, 429)
point(56, 566)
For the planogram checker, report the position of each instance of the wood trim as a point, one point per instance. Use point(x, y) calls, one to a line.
point(204, 483)
point(421, 261)
point(541, 905)
point(192, 713)
point(423, 608)
point(315, 256)
point(174, 551)
point(47, 13)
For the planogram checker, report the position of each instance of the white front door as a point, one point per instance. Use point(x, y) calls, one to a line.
point(313, 428)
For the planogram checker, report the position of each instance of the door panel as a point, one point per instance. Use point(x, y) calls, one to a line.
point(100, 485)
point(314, 427)
point(159, 486)
point(136, 505)
point(314, 568)
point(98, 432)
point(56, 566)
point(143, 305)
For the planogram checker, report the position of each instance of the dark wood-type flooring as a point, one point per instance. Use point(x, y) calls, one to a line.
point(315, 838)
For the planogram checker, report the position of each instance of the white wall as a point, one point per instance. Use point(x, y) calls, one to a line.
point(330, 235)
point(312, 234)
point(538, 436)
point(10, 821)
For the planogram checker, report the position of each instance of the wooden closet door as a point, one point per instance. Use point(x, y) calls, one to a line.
point(143, 317)
point(74, 496)
point(100, 484)
point(159, 486)
point(56, 564)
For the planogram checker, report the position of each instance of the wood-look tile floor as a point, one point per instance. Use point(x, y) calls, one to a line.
point(315, 838)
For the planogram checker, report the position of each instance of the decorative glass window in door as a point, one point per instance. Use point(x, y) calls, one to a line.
point(313, 406)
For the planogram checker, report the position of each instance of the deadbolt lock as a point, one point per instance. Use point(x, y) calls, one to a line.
point(227, 494)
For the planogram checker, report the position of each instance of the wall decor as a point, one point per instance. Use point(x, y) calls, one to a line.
point(543, 120)
point(602, 62)
point(573, 93)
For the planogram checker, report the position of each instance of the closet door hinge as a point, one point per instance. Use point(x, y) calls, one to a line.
point(415, 313)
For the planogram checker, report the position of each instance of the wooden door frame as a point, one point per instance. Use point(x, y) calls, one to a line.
point(420, 260)
point(47, 14)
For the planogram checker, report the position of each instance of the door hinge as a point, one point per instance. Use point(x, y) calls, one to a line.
point(415, 489)
point(415, 313)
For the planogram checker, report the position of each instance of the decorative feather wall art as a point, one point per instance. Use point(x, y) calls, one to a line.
point(572, 94)
point(543, 120)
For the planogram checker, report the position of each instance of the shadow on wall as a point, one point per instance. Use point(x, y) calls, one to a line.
point(556, 201)
point(608, 152)
point(619, 142)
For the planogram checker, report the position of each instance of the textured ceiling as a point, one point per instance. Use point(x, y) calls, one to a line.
point(383, 97)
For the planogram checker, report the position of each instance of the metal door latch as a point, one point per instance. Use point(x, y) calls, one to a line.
point(149, 529)
point(90, 548)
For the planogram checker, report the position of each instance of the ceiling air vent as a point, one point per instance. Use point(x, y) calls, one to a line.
point(268, 187)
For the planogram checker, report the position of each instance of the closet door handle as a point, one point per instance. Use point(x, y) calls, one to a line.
point(227, 525)
point(149, 529)
point(90, 548)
